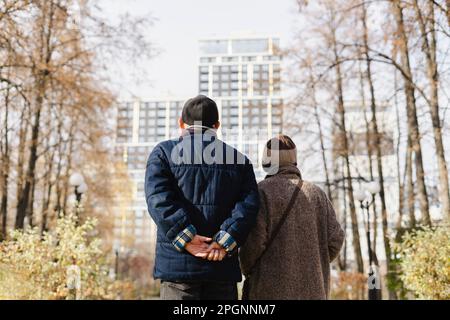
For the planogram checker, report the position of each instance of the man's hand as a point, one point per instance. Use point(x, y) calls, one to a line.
point(217, 253)
point(199, 246)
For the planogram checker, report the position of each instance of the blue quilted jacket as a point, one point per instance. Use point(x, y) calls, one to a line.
point(197, 184)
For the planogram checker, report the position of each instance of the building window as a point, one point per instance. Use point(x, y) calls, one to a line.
point(213, 46)
point(225, 76)
point(229, 59)
point(161, 113)
point(207, 60)
point(250, 45)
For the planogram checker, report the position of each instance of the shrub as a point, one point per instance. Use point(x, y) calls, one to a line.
point(425, 262)
point(35, 267)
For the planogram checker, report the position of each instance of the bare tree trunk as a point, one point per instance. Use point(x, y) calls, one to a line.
point(413, 124)
point(401, 185)
point(448, 12)
point(321, 140)
point(47, 187)
point(369, 145)
point(45, 205)
point(429, 50)
point(410, 186)
point(345, 155)
point(23, 133)
point(30, 207)
point(65, 180)
point(343, 256)
point(50, 184)
point(25, 194)
point(41, 77)
point(4, 148)
point(377, 145)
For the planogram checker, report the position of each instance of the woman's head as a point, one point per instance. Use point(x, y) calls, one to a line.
point(279, 151)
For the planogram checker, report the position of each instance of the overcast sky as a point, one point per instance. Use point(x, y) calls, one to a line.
point(181, 23)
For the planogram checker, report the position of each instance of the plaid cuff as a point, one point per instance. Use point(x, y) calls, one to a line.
point(184, 237)
point(225, 240)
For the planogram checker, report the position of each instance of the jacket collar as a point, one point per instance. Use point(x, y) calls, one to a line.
point(196, 129)
point(288, 172)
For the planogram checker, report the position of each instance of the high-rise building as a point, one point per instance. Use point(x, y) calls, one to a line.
point(243, 76)
point(141, 125)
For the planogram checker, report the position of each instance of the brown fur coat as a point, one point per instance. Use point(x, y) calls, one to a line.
point(297, 264)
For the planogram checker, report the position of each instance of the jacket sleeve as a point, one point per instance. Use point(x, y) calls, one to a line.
point(234, 230)
point(164, 203)
point(257, 239)
point(335, 233)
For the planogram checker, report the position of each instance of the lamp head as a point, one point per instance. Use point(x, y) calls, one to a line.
point(360, 195)
point(76, 179)
point(373, 187)
point(82, 188)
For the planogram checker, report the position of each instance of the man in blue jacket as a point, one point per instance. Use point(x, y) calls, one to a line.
point(203, 197)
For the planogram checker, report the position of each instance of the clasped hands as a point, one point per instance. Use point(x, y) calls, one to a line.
point(205, 248)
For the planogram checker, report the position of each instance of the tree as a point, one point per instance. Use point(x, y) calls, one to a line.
point(413, 124)
point(58, 101)
point(332, 23)
point(356, 59)
point(376, 135)
point(344, 150)
point(427, 27)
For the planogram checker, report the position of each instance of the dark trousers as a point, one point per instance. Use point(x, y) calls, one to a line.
point(201, 290)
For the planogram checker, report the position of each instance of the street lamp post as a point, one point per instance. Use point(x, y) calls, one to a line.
point(374, 283)
point(76, 180)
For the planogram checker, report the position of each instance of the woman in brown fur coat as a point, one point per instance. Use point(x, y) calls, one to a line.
point(295, 264)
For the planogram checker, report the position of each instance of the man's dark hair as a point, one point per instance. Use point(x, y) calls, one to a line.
point(200, 108)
